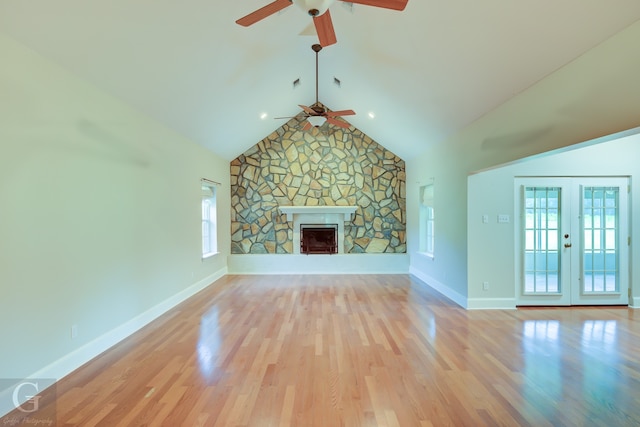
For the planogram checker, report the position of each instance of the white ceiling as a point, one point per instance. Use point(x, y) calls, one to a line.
point(425, 72)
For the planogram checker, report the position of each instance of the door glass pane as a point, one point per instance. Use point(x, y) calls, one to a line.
point(600, 256)
point(542, 237)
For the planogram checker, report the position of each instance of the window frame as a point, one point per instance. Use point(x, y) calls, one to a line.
point(209, 217)
point(427, 221)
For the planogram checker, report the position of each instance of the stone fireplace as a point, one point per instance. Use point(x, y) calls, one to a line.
point(318, 217)
point(333, 167)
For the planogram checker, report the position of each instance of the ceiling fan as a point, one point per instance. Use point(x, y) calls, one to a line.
point(319, 10)
point(316, 115)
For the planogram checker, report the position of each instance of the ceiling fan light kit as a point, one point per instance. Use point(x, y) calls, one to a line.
point(317, 6)
point(316, 121)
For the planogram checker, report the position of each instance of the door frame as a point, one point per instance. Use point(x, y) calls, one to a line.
point(571, 287)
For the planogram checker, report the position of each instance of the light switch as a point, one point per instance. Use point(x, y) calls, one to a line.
point(485, 219)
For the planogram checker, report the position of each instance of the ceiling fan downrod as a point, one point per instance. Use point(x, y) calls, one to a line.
point(317, 48)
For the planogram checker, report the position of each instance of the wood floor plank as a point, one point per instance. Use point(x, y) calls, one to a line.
point(358, 350)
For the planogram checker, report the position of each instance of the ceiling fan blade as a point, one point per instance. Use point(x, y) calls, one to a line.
point(290, 117)
point(387, 4)
point(339, 123)
point(263, 12)
point(307, 125)
point(324, 28)
point(340, 113)
point(308, 109)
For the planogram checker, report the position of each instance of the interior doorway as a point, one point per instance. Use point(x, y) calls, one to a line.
point(572, 240)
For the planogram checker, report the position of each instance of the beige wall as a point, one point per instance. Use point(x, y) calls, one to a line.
point(596, 95)
point(492, 192)
point(99, 214)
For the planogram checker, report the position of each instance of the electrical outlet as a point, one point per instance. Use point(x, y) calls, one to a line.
point(74, 331)
point(503, 218)
point(485, 286)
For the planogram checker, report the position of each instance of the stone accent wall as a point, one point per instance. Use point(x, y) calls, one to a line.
point(326, 166)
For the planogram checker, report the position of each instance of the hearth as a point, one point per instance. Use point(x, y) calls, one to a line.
point(318, 239)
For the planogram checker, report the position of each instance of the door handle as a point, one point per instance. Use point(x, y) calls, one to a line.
point(567, 245)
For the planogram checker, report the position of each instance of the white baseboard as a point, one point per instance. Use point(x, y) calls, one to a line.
point(72, 361)
point(635, 302)
point(318, 264)
point(454, 296)
point(491, 304)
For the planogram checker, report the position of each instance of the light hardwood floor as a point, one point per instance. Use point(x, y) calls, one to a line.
point(359, 350)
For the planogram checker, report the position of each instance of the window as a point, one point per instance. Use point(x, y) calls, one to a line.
point(209, 219)
point(427, 220)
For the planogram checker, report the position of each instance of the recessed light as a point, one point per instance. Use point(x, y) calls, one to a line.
point(372, 115)
point(263, 116)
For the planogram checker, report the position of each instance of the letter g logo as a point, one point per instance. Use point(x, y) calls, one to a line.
point(33, 399)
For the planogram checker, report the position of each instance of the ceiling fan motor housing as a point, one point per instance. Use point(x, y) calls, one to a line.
point(318, 109)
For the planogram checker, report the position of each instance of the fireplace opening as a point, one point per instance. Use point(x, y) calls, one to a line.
point(318, 239)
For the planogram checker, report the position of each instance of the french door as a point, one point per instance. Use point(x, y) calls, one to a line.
point(573, 241)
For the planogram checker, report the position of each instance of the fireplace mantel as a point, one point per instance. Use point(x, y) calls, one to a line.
point(347, 211)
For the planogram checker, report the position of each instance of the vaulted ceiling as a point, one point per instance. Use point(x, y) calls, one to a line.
point(423, 73)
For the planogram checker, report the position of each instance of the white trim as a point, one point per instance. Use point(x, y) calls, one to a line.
point(210, 255)
point(491, 304)
point(572, 187)
point(318, 264)
point(427, 255)
point(72, 361)
point(347, 211)
point(454, 296)
point(634, 302)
